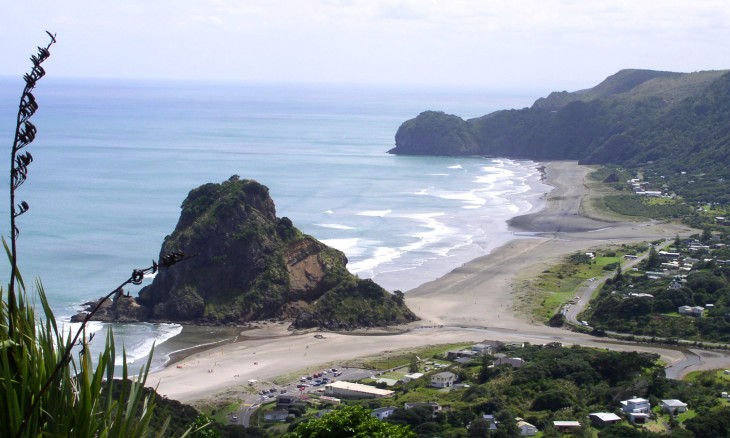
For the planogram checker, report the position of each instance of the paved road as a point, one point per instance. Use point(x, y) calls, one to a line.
point(585, 292)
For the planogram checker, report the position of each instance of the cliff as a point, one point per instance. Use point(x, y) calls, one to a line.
point(250, 265)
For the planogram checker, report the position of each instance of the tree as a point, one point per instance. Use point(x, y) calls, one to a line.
point(706, 235)
point(619, 277)
point(349, 422)
point(653, 261)
point(413, 367)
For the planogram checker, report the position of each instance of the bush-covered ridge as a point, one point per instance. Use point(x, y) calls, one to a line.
point(672, 122)
point(250, 265)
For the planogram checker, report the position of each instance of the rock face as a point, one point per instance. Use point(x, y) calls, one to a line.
point(250, 265)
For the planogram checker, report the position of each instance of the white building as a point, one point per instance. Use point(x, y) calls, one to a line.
point(526, 429)
point(674, 406)
point(636, 405)
point(382, 413)
point(443, 380)
point(693, 311)
point(343, 389)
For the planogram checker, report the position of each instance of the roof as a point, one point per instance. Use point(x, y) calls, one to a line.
point(674, 403)
point(605, 416)
point(386, 409)
point(358, 387)
point(444, 375)
point(566, 423)
point(523, 423)
point(636, 400)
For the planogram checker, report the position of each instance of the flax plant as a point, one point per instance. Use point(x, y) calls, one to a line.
point(44, 389)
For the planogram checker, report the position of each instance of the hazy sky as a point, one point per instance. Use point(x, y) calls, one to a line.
point(531, 44)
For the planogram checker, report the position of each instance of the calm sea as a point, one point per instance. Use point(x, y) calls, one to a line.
point(114, 161)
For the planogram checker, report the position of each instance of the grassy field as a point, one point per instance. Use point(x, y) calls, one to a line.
point(557, 285)
point(389, 360)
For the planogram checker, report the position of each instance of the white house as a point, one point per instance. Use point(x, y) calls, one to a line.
point(694, 311)
point(482, 348)
point(412, 376)
point(566, 426)
point(604, 418)
point(491, 420)
point(382, 413)
point(636, 405)
point(526, 429)
point(443, 380)
point(638, 417)
point(674, 406)
point(344, 389)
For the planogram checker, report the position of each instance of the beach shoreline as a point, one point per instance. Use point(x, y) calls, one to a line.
point(471, 303)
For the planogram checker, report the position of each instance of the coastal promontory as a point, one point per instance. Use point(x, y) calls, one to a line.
point(246, 264)
point(673, 122)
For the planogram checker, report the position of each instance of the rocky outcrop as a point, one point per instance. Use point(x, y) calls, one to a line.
point(249, 265)
point(435, 133)
point(123, 308)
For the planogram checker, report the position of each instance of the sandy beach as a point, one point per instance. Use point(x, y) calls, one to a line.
point(474, 302)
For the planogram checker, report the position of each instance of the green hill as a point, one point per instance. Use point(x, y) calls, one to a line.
point(673, 122)
point(249, 265)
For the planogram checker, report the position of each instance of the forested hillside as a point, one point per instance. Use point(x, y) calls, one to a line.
point(670, 122)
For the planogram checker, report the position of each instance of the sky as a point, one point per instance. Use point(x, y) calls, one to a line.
point(487, 44)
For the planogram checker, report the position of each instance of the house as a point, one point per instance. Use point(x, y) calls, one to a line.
point(638, 417)
point(514, 345)
point(482, 348)
point(566, 426)
point(330, 400)
point(412, 376)
point(433, 406)
point(491, 421)
point(444, 379)
point(344, 389)
point(526, 429)
point(285, 400)
point(515, 362)
point(382, 413)
point(693, 311)
point(458, 354)
point(275, 415)
point(673, 406)
point(636, 405)
point(602, 419)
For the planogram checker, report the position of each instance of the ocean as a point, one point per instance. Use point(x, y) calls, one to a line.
point(113, 161)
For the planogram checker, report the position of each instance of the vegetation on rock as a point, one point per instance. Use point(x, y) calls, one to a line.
point(247, 265)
